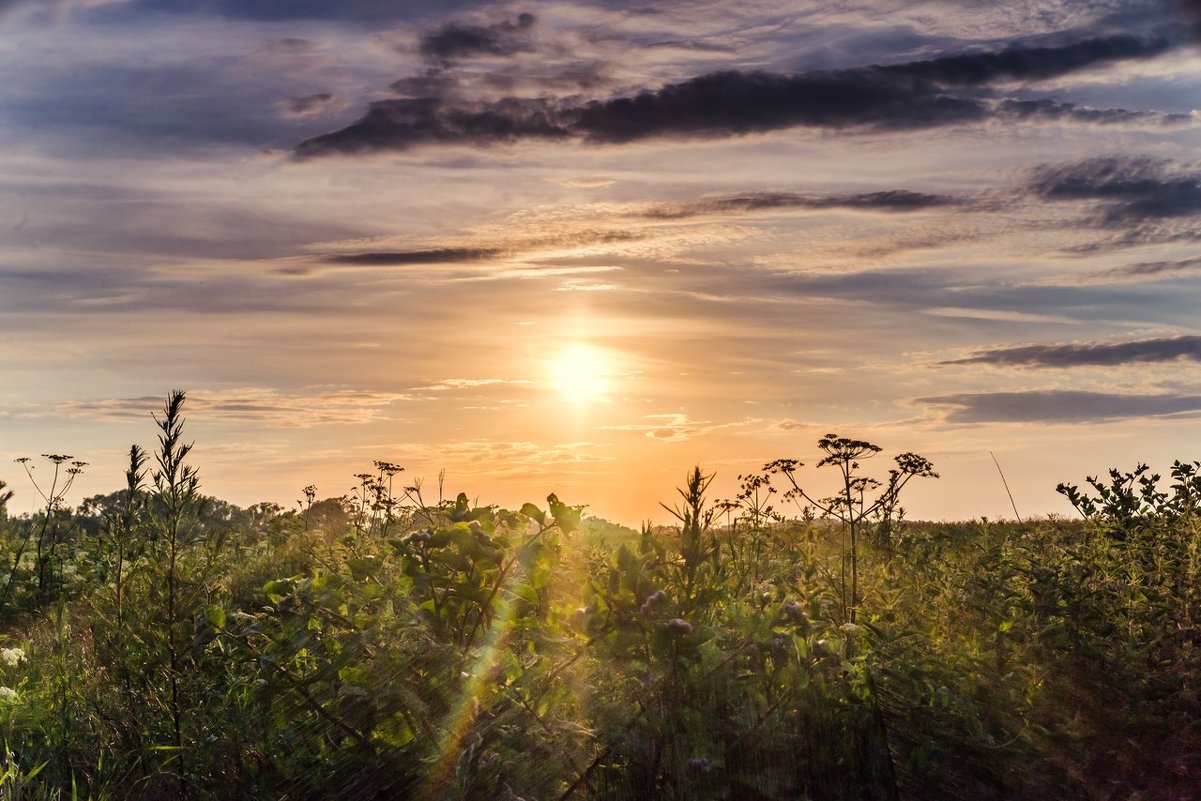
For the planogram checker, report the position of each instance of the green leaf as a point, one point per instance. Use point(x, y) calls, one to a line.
point(215, 615)
point(567, 517)
point(534, 513)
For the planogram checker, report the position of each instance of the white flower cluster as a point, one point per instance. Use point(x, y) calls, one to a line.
point(8, 695)
point(11, 657)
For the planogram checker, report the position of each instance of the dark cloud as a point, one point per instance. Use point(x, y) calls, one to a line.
point(496, 249)
point(456, 40)
point(407, 123)
point(1051, 111)
point(1059, 406)
point(1031, 63)
point(912, 96)
point(304, 105)
point(1185, 348)
point(893, 200)
point(736, 103)
point(291, 44)
point(434, 82)
point(352, 11)
point(1128, 189)
point(407, 257)
point(718, 104)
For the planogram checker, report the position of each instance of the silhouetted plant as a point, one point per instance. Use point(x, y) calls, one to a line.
point(860, 499)
point(47, 529)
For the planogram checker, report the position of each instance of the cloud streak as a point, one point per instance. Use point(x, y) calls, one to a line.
point(413, 257)
point(1127, 189)
point(902, 97)
point(258, 405)
point(1142, 271)
point(891, 200)
point(1144, 351)
point(1059, 406)
point(1031, 63)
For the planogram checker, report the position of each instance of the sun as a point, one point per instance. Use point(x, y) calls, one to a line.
point(580, 372)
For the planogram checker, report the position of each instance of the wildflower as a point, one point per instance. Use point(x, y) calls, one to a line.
point(11, 657)
point(679, 627)
point(794, 610)
point(652, 601)
point(8, 695)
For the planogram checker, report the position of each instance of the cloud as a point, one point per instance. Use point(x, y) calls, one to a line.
point(355, 11)
point(732, 103)
point(678, 427)
point(410, 257)
point(1128, 189)
point(514, 458)
point(585, 182)
point(1000, 315)
point(456, 40)
point(1142, 271)
point(454, 384)
point(258, 405)
point(131, 222)
point(909, 96)
point(405, 123)
point(1182, 348)
point(1052, 111)
point(672, 427)
point(893, 200)
point(307, 105)
point(1059, 406)
point(788, 424)
point(584, 286)
point(1031, 63)
point(497, 244)
point(431, 83)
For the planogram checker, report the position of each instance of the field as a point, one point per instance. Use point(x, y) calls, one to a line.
point(404, 643)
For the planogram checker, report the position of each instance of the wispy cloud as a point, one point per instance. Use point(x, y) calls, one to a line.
point(407, 257)
point(262, 406)
point(452, 384)
point(454, 40)
point(889, 200)
point(671, 427)
point(679, 427)
point(1059, 406)
point(1140, 271)
point(1031, 62)
point(1000, 315)
point(1103, 354)
point(1128, 189)
point(512, 458)
point(306, 105)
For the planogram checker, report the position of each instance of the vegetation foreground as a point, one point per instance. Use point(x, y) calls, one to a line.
point(158, 644)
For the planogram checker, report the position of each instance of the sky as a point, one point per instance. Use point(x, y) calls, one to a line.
point(580, 247)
